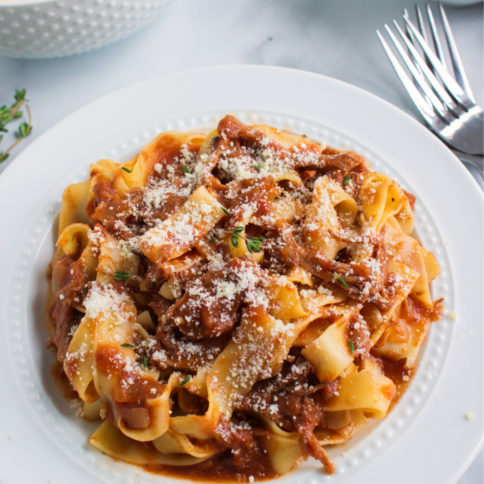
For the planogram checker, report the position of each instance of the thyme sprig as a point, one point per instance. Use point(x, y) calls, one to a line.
point(253, 244)
point(9, 114)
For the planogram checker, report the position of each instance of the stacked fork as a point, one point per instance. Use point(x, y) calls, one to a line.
point(444, 99)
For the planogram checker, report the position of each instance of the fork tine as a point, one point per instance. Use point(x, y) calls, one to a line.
point(435, 36)
point(422, 30)
point(454, 89)
point(420, 80)
point(411, 38)
point(457, 65)
point(408, 32)
point(441, 92)
point(419, 101)
point(421, 25)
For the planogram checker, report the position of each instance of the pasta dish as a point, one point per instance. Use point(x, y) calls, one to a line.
point(230, 302)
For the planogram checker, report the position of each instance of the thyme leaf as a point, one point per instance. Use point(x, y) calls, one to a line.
point(121, 275)
point(185, 380)
point(342, 281)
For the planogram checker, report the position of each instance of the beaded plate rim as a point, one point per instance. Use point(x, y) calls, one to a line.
point(348, 457)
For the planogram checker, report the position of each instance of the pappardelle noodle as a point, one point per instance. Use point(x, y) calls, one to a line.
point(229, 303)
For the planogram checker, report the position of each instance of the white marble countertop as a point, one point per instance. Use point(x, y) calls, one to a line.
point(333, 37)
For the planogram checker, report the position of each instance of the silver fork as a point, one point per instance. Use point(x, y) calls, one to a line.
point(444, 100)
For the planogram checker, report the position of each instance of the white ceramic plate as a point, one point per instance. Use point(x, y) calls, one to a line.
point(426, 438)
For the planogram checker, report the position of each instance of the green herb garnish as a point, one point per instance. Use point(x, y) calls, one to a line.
point(185, 380)
point(256, 167)
point(185, 169)
point(235, 236)
point(352, 346)
point(24, 130)
point(20, 95)
point(342, 281)
point(212, 239)
point(127, 345)
point(225, 211)
point(11, 113)
point(121, 275)
point(253, 244)
point(145, 362)
point(127, 170)
point(346, 180)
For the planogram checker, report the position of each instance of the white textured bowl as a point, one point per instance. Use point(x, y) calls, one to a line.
point(54, 28)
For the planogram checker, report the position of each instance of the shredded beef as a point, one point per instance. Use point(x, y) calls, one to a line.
point(63, 312)
point(248, 454)
point(355, 276)
point(211, 315)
